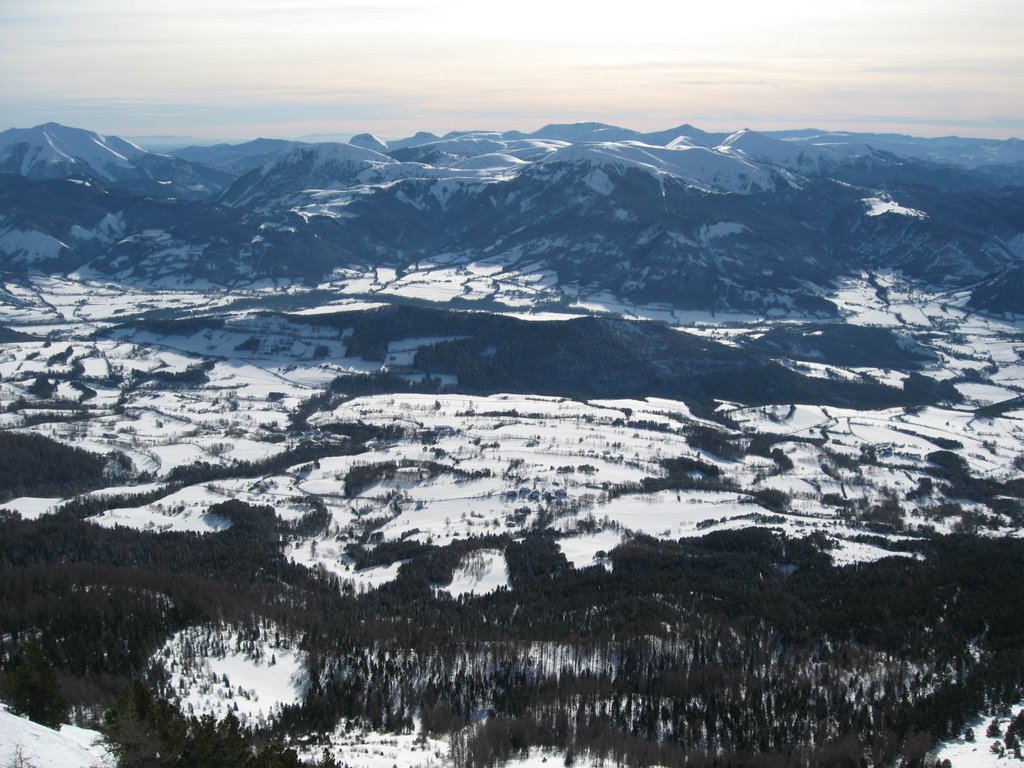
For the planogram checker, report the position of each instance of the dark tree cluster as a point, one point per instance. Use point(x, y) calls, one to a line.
point(35, 465)
point(592, 358)
point(73, 586)
point(29, 684)
point(147, 732)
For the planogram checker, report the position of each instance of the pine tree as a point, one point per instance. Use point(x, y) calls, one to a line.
point(30, 686)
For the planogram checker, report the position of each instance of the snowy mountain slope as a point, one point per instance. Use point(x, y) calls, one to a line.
point(421, 137)
point(758, 148)
point(729, 169)
point(369, 141)
point(318, 166)
point(579, 132)
point(618, 219)
point(453, 151)
point(695, 167)
point(54, 224)
point(54, 151)
point(37, 745)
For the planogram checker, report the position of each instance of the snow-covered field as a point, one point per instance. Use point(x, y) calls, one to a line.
point(981, 750)
point(478, 573)
point(502, 463)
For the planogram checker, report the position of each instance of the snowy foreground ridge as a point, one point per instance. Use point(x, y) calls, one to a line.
point(24, 743)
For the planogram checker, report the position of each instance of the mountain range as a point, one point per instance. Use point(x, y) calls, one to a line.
point(695, 220)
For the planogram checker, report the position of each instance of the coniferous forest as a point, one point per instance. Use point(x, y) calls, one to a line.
point(738, 648)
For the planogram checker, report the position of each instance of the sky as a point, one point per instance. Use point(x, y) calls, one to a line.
point(290, 68)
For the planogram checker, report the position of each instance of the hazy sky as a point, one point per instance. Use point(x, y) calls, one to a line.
point(229, 68)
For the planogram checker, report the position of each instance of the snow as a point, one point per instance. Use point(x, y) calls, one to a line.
point(757, 147)
point(598, 181)
point(341, 306)
point(402, 351)
point(978, 753)
point(359, 748)
point(721, 229)
point(214, 673)
point(669, 514)
point(328, 553)
point(30, 245)
point(52, 144)
point(696, 167)
point(985, 393)
point(185, 510)
point(479, 573)
point(367, 749)
point(851, 552)
point(545, 758)
point(68, 747)
point(883, 204)
point(499, 455)
point(582, 550)
point(492, 161)
point(447, 279)
point(30, 507)
point(368, 141)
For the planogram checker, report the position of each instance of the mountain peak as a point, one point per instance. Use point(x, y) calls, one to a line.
point(683, 135)
point(588, 131)
point(53, 150)
point(368, 141)
point(312, 166)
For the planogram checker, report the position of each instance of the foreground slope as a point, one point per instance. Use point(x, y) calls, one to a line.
point(24, 743)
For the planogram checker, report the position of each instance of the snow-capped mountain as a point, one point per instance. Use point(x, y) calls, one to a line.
point(758, 148)
point(54, 151)
point(319, 166)
point(369, 141)
point(700, 169)
point(692, 219)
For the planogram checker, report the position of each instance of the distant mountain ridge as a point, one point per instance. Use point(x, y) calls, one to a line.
point(237, 158)
point(692, 219)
